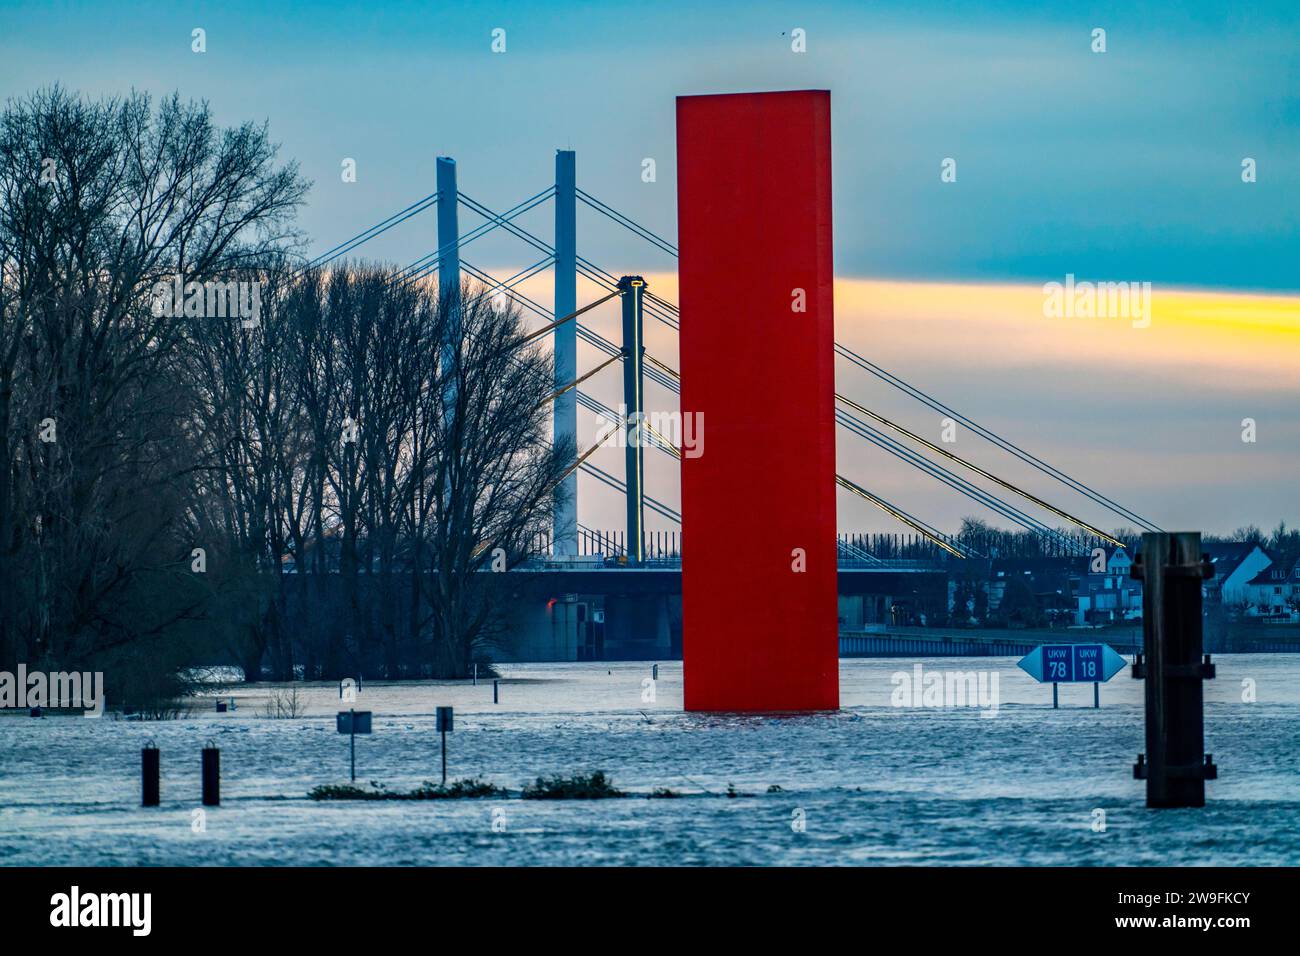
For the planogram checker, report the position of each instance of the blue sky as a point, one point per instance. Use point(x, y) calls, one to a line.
point(1125, 163)
point(1117, 166)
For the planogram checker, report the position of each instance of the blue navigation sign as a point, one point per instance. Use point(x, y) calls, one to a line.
point(1072, 663)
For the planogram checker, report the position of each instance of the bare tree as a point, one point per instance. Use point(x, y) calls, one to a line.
point(347, 470)
point(495, 479)
point(100, 202)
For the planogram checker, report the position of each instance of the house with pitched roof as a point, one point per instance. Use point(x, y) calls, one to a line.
point(1235, 564)
point(1107, 595)
point(1274, 593)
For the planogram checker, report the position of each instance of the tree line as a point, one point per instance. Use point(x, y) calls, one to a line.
point(315, 481)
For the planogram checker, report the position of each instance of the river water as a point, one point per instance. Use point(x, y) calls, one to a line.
point(872, 784)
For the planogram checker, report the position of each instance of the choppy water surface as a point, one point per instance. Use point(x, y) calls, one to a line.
point(872, 784)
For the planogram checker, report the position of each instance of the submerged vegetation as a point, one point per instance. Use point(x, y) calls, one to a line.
point(594, 787)
point(470, 788)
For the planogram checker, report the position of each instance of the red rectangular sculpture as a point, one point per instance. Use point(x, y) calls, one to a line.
point(757, 363)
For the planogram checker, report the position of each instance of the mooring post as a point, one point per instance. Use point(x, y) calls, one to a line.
point(1096, 695)
point(495, 697)
point(1175, 765)
point(352, 740)
point(1055, 700)
point(211, 764)
point(149, 773)
point(445, 724)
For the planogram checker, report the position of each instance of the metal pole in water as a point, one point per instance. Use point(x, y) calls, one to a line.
point(1096, 695)
point(1055, 699)
point(654, 672)
point(495, 696)
point(1175, 765)
point(475, 675)
point(444, 758)
point(149, 773)
point(211, 764)
point(352, 738)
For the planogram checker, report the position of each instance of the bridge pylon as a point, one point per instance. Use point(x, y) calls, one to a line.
point(564, 534)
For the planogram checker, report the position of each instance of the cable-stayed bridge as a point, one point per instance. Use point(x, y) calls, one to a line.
point(1058, 531)
point(759, 586)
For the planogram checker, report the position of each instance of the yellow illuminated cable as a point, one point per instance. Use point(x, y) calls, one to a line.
point(894, 512)
point(979, 471)
point(663, 442)
point(667, 368)
point(579, 380)
point(577, 462)
point(572, 315)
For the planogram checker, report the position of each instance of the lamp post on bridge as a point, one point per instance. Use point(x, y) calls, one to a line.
point(633, 359)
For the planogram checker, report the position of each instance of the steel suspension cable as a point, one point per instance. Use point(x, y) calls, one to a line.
point(426, 263)
point(991, 436)
point(954, 481)
point(368, 234)
point(915, 524)
point(976, 469)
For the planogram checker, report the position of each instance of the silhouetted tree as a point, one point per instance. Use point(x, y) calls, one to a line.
point(99, 202)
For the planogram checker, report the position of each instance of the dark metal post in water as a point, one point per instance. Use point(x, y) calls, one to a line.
point(495, 696)
point(444, 726)
point(1096, 695)
point(149, 773)
point(211, 775)
point(352, 738)
point(1175, 765)
point(1055, 700)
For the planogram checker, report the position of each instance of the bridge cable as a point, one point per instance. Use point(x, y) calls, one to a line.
point(954, 481)
point(572, 315)
point(588, 336)
point(930, 534)
point(365, 236)
point(992, 437)
point(977, 469)
point(1050, 470)
point(427, 263)
point(579, 380)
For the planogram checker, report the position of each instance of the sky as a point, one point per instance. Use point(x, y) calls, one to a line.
point(1122, 166)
